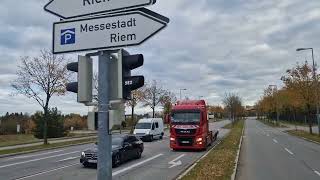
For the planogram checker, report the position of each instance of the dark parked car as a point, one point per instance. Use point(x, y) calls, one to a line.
point(124, 148)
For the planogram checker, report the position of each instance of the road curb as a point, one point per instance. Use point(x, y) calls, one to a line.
point(309, 140)
point(39, 150)
point(189, 168)
point(315, 142)
point(234, 174)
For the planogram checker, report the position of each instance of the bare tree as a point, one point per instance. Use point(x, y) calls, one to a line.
point(40, 78)
point(136, 97)
point(233, 103)
point(154, 95)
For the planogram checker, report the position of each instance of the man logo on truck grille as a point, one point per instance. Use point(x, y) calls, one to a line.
point(185, 131)
point(68, 36)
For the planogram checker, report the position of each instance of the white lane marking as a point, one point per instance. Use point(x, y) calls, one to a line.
point(288, 151)
point(268, 135)
point(27, 156)
point(135, 165)
point(24, 162)
point(66, 159)
point(274, 140)
point(317, 172)
point(175, 162)
point(48, 171)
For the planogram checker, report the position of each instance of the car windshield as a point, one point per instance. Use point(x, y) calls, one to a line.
point(117, 141)
point(143, 126)
point(185, 117)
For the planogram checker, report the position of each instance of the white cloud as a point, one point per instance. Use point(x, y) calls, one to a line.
point(209, 47)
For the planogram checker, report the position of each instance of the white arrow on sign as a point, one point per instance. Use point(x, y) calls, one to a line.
point(77, 8)
point(175, 162)
point(107, 32)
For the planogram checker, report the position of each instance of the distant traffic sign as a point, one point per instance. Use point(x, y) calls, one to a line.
point(106, 32)
point(77, 8)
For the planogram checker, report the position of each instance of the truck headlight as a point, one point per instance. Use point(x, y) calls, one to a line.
point(83, 154)
point(199, 139)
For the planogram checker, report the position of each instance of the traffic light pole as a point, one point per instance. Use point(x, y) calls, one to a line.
point(104, 136)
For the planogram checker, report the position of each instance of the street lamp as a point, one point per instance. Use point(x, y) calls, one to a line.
point(315, 83)
point(180, 92)
point(275, 88)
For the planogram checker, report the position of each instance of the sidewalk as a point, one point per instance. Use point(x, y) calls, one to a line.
point(299, 127)
point(51, 141)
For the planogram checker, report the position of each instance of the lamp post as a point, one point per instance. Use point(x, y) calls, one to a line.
point(315, 84)
point(275, 88)
point(180, 92)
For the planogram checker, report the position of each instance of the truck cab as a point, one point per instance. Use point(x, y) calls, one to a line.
point(189, 126)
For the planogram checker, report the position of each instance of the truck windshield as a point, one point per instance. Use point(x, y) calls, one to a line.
point(185, 117)
point(143, 126)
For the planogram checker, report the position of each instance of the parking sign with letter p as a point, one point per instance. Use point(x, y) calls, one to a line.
point(68, 36)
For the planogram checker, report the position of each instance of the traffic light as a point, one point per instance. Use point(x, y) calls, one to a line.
point(83, 86)
point(128, 63)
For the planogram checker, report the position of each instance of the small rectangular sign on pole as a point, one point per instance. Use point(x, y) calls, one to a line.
point(112, 31)
point(76, 8)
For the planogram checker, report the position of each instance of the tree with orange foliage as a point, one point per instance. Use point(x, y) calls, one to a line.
point(300, 81)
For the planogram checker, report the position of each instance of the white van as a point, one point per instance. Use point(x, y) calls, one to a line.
point(211, 115)
point(149, 129)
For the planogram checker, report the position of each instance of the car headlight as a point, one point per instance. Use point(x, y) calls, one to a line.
point(83, 154)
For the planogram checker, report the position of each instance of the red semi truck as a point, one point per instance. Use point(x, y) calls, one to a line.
point(189, 126)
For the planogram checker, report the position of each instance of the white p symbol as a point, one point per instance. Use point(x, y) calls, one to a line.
point(67, 37)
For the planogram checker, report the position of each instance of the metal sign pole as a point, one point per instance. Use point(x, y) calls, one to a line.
point(104, 137)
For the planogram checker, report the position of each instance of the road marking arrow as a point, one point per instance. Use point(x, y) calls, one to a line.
point(76, 8)
point(175, 162)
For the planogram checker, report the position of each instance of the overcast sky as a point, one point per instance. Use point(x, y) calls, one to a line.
point(210, 47)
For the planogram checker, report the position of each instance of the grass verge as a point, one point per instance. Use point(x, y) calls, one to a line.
point(20, 139)
point(304, 134)
point(219, 164)
point(10, 140)
point(45, 147)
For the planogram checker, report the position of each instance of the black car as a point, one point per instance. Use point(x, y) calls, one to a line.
point(124, 148)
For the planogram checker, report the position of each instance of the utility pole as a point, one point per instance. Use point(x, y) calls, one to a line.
point(104, 136)
point(181, 94)
point(275, 89)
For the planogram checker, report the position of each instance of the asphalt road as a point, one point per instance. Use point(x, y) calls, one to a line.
point(267, 153)
point(158, 162)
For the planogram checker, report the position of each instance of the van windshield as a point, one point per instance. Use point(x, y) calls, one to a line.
point(143, 126)
point(185, 117)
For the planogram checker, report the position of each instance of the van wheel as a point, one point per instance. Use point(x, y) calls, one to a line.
point(161, 137)
point(151, 138)
point(85, 164)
